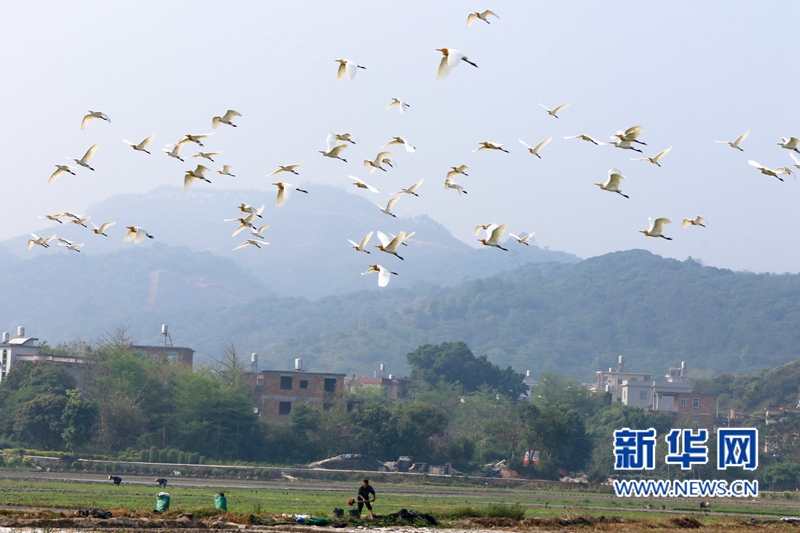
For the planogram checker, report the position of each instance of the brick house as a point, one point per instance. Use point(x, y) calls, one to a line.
point(276, 391)
point(694, 410)
point(173, 354)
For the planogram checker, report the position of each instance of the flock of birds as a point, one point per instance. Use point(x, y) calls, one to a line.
point(336, 143)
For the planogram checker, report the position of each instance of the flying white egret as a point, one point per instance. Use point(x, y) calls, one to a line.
point(286, 168)
point(69, 244)
point(41, 241)
point(656, 228)
point(737, 142)
point(483, 227)
point(226, 171)
point(630, 135)
point(388, 209)
point(495, 232)
point(790, 143)
point(586, 138)
point(256, 232)
point(472, 17)
point(244, 222)
point(250, 242)
point(225, 119)
point(796, 160)
point(362, 247)
point(344, 137)
point(347, 68)
point(379, 160)
point(450, 184)
point(191, 175)
point(193, 138)
point(390, 245)
point(553, 112)
point(384, 274)
point(522, 240)
point(249, 209)
point(457, 170)
point(60, 169)
point(696, 222)
point(334, 149)
point(102, 229)
point(93, 115)
point(655, 158)
point(175, 152)
point(362, 185)
point(136, 234)
point(84, 161)
point(207, 155)
point(54, 218)
point(401, 141)
point(612, 185)
point(486, 145)
point(396, 102)
point(625, 145)
point(768, 171)
point(285, 191)
point(69, 214)
point(80, 221)
point(535, 150)
point(142, 146)
point(410, 189)
point(452, 58)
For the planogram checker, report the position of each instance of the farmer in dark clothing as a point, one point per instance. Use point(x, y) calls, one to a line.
point(363, 497)
point(162, 482)
point(116, 480)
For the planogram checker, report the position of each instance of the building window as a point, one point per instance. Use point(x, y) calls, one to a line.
point(619, 381)
point(286, 383)
point(633, 379)
point(330, 384)
point(683, 402)
point(696, 403)
point(303, 383)
point(284, 408)
point(172, 356)
point(695, 422)
point(642, 394)
point(5, 357)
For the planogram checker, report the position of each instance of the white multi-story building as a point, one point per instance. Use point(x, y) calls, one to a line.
point(12, 348)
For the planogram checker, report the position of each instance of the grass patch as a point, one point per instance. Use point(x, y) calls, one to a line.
point(513, 511)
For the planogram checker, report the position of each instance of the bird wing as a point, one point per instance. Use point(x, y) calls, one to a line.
point(515, 237)
point(640, 159)
point(31, 242)
point(331, 141)
point(490, 12)
point(284, 194)
point(541, 145)
point(451, 175)
point(614, 178)
point(444, 69)
point(90, 152)
point(336, 150)
point(454, 57)
point(741, 138)
point(86, 120)
point(391, 203)
point(497, 233)
point(230, 114)
point(276, 172)
point(632, 133)
point(662, 153)
point(365, 240)
point(395, 102)
point(295, 165)
point(395, 242)
point(55, 175)
point(144, 143)
point(201, 170)
point(238, 229)
point(379, 158)
point(793, 141)
point(385, 240)
point(341, 72)
point(472, 17)
point(754, 164)
point(796, 159)
point(215, 122)
point(106, 225)
point(658, 224)
point(700, 220)
point(525, 145)
point(187, 182)
point(260, 229)
point(559, 108)
point(383, 276)
point(245, 243)
point(140, 235)
point(64, 241)
point(416, 185)
point(686, 222)
point(528, 236)
point(351, 68)
point(574, 137)
point(129, 236)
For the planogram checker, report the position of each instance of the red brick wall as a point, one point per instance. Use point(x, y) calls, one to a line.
point(704, 413)
point(268, 394)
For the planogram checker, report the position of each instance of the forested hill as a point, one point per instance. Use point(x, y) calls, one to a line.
point(577, 318)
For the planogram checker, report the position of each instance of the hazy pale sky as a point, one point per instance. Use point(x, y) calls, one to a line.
point(690, 72)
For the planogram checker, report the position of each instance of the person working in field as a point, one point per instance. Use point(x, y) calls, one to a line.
point(116, 480)
point(363, 497)
point(162, 482)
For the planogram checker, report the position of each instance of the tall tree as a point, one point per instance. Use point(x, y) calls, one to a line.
point(38, 422)
point(79, 417)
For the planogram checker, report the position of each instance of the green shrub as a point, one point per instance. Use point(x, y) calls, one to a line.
point(153, 454)
point(144, 456)
point(514, 511)
point(181, 457)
